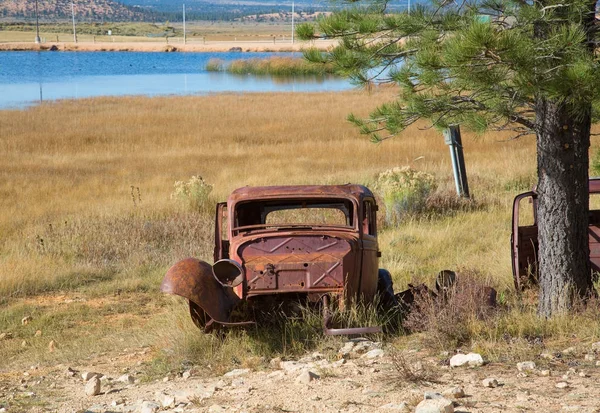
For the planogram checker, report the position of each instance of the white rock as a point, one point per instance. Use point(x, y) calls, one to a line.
point(583, 374)
point(490, 382)
point(149, 407)
point(430, 395)
point(306, 377)
point(117, 402)
point(471, 359)
point(363, 347)
point(167, 400)
point(346, 348)
point(294, 366)
point(435, 406)
point(596, 345)
point(126, 378)
point(396, 407)
point(547, 356)
point(590, 357)
point(26, 320)
point(276, 375)
point(526, 366)
point(455, 392)
point(375, 353)
point(236, 373)
point(88, 375)
point(569, 350)
point(92, 387)
point(545, 373)
point(562, 385)
point(189, 395)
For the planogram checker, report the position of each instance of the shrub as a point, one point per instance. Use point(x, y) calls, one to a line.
point(215, 65)
point(195, 193)
point(595, 163)
point(404, 190)
point(451, 321)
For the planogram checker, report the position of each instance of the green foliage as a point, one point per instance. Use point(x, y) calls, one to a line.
point(595, 163)
point(273, 66)
point(195, 193)
point(404, 191)
point(479, 64)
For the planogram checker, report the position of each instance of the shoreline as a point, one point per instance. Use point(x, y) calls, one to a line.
point(216, 46)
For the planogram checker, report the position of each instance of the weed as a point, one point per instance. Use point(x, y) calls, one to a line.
point(448, 319)
point(404, 191)
point(195, 193)
point(406, 372)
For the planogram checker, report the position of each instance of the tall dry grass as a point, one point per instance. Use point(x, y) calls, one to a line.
point(85, 191)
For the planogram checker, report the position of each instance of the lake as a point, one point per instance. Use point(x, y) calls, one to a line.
point(27, 78)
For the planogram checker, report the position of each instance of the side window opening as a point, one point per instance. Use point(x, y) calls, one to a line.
point(368, 222)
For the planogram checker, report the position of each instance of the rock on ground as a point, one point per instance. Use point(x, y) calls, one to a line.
point(489, 382)
point(526, 366)
point(92, 387)
point(435, 406)
point(306, 377)
point(471, 359)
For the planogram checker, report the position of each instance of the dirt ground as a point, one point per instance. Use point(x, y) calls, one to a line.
point(212, 46)
point(367, 378)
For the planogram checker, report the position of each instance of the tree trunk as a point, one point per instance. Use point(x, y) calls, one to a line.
point(563, 142)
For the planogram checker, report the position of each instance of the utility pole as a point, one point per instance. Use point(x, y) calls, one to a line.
point(73, 16)
point(37, 23)
point(293, 29)
point(184, 39)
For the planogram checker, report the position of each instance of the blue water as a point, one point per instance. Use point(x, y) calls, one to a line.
point(28, 78)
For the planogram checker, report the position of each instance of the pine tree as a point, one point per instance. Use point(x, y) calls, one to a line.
point(526, 66)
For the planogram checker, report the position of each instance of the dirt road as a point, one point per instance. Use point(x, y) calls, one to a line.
point(362, 377)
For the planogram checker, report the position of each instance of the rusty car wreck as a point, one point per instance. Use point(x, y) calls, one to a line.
point(524, 236)
point(280, 243)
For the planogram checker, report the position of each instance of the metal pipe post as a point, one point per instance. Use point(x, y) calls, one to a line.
point(453, 140)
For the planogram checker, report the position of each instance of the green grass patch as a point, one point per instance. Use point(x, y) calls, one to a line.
point(273, 66)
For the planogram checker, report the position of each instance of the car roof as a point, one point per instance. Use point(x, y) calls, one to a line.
point(352, 191)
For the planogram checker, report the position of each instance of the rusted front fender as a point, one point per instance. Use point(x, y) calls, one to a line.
point(193, 279)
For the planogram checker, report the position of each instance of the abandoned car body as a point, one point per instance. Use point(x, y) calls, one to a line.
point(318, 242)
point(524, 236)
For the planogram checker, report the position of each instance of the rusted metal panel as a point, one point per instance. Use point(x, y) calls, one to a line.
point(300, 191)
point(194, 279)
point(524, 239)
point(303, 263)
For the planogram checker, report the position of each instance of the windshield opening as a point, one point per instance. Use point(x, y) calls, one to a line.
point(304, 212)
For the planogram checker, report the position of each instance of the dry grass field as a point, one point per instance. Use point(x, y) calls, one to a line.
point(88, 224)
point(196, 32)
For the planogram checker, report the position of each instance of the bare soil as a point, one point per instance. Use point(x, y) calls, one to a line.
point(212, 46)
point(359, 384)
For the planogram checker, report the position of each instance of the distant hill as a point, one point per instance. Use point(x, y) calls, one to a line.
point(92, 10)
